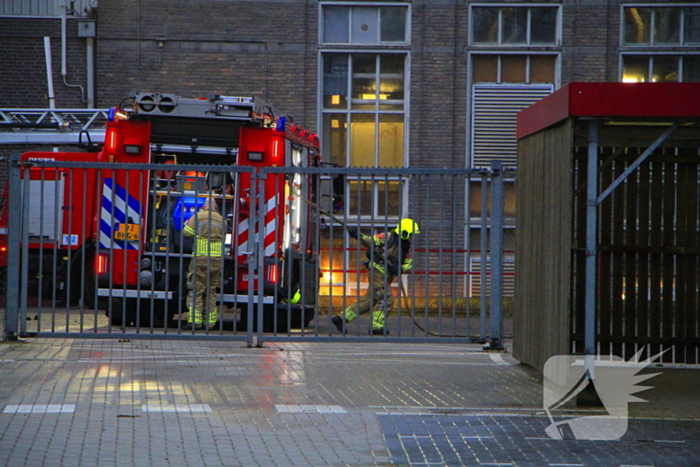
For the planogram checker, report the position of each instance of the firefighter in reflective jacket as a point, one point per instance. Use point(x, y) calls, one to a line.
point(204, 275)
point(387, 256)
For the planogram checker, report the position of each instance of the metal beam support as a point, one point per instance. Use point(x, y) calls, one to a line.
point(496, 254)
point(591, 235)
point(637, 162)
point(13, 249)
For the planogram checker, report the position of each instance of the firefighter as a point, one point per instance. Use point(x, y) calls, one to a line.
point(204, 275)
point(387, 256)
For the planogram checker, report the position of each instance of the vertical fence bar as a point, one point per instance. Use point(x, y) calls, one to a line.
point(13, 248)
point(483, 246)
point(496, 254)
point(24, 268)
point(467, 247)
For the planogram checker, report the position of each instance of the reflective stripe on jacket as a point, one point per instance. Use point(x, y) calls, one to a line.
point(389, 247)
point(208, 229)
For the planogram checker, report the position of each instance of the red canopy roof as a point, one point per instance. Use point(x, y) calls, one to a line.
point(611, 100)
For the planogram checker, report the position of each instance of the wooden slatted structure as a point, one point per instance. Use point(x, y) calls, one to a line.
point(647, 290)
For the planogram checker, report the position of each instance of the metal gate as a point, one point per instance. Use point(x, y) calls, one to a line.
point(65, 219)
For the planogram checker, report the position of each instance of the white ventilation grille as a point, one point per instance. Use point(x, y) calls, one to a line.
point(508, 277)
point(495, 108)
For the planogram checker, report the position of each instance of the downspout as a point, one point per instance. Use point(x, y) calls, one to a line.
point(49, 72)
point(90, 48)
point(64, 20)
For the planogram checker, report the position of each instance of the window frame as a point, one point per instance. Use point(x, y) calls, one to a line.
point(376, 111)
point(377, 5)
point(528, 43)
point(651, 45)
point(650, 55)
point(46, 9)
point(499, 54)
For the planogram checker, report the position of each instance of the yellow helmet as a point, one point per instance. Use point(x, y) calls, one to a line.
point(406, 228)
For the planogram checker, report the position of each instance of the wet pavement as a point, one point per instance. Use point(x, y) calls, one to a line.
point(118, 401)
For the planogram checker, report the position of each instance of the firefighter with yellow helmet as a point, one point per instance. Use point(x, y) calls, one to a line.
point(387, 256)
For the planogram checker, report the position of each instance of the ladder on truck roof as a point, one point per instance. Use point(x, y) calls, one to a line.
point(81, 126)
point(52, 126)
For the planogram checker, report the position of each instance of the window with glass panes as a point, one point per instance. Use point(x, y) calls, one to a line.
point(362, 114)
point(660, 43)
point(363, 24)
point(515, 25)
point(363, 109)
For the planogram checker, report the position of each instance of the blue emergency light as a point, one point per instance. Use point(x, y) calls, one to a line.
point(280, 124)
point(186, 207)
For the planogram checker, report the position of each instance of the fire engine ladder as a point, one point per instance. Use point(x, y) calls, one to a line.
point(52, 126)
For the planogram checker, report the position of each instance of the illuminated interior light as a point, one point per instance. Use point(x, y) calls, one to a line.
point(335, 123)
point(335, 100)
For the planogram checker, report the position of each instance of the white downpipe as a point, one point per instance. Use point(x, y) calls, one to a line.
point(49, 72)
point(64, 22)
point(90, 47)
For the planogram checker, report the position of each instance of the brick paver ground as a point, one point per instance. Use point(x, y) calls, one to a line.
point(87, 402)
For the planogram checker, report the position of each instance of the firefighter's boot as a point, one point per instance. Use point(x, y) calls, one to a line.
point(378, 328)
point(337, 320)
point(214, 318)
point(195, 319)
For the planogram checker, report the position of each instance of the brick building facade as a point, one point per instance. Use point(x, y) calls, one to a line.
point(192, 48)
point(442, 78)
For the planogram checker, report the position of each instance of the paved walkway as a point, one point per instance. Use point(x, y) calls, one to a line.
point(192, 403)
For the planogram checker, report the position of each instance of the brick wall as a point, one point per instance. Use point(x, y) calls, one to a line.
point(195, 48)
point(438, 85)
point(23, 82)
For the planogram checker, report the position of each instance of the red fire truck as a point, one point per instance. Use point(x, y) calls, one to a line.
point(112, 237)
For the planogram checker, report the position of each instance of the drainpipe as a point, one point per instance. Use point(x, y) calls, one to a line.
point(90, 47)
point(49, 72)
point(64, 21)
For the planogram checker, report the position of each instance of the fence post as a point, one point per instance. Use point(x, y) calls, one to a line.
point(496, 254)
point(483, 258)
point(14, 215)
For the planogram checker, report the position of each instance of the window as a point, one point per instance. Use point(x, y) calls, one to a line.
point(515, 25)
point(363, 109)
point(514, 68)
point(667, 25)
point(352, 24)
point(656, 36)
point(44, 8)
point(660, 68)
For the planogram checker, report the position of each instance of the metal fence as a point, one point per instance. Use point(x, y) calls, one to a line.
point(71, 257)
